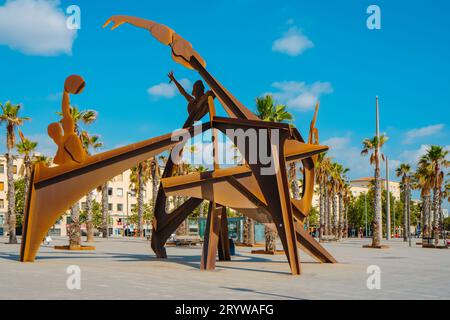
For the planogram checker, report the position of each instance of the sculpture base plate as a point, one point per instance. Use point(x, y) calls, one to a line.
point(268, 252)
point(75, 248)
point(369, 246)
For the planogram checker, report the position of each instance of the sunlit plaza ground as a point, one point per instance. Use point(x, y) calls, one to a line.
point(128, 269)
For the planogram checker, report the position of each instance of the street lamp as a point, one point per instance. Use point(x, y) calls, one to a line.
point(128, 213)
point(365, 209)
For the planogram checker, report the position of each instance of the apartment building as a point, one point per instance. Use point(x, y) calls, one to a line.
point(121, 200)
point(18, 162)
point(361, 186)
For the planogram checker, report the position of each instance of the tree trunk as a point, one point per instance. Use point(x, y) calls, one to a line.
point(75, 229)
point(341, 216)
point(89, 218)
point(105, 210)
point(377, 231)
point(322, 211)
point(329, 214)
point(405, 213)
point(27, 176)
point(346, 220)
point(249, 232)
point(436, 214)
point(140, 204)
point(11, 215)
point(335, 216)
point(270, 237)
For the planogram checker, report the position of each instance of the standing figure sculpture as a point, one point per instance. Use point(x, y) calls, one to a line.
point(197, 102)
point(70, 148)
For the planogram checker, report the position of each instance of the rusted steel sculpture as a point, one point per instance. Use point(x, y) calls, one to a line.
point(252, 189)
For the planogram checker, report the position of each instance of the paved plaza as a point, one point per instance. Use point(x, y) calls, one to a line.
point(127, 269)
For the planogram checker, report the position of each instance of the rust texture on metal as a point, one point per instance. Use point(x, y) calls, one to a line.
point(262, 197)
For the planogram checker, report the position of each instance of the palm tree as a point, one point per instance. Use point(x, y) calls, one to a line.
point(268, 110)
point(423, 182)
point(156, 175)
point(347, 200)
point(85, 117)
point(44, 160)
point(435, 160)
point(11, 118)
point(322, 165)
point(105, 210)
point(140, 175)
point(403, 171)
point(26, 148)
point(90, 142)
point(374, 145)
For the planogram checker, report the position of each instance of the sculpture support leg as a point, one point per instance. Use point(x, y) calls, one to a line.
point(212, 229)
point(224, 244)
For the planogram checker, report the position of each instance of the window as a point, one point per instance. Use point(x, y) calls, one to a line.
point(15, 169)
point(110, 191)
point(2, 204)
point(133, 193)
point(133, 207)
point(120, 207)
point(1, 220)
point(120, 192)
point(110, 206)
point(2, 186)
point(2, 168)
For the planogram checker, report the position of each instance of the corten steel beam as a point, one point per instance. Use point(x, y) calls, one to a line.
point(224, 244)
point(54, 190)
point(211, 239)
point(263, 197)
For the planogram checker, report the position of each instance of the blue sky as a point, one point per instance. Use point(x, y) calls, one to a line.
point(297, 50)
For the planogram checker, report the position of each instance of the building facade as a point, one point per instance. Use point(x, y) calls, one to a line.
point(122, 199)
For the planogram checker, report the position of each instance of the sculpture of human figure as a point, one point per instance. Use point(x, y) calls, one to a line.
point(197, 99)
point(70, 148)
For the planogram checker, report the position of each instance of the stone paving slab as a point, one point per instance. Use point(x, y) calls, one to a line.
point(123, 268)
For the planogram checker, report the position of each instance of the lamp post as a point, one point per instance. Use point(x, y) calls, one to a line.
point(393, 217)
point(128, 213)
point(365, 209)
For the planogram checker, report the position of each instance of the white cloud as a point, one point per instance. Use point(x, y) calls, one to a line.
point(422, 132)
point(299, 95)
point(414, 155)
point(35, 27)
point(166, 90)
point(293, 42)
point(342, 151)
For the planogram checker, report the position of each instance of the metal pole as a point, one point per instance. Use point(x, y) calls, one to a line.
point(409, 219)
point(388, 203)
point(393, 217)
point(365, 209)
point(377, 215)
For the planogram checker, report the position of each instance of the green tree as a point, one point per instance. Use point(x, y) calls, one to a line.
point(435, 160)
point(404, 171)
point(26, 148)
point(140, 175)
point(10, 116)
point(90, 142)
point(80, 118)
